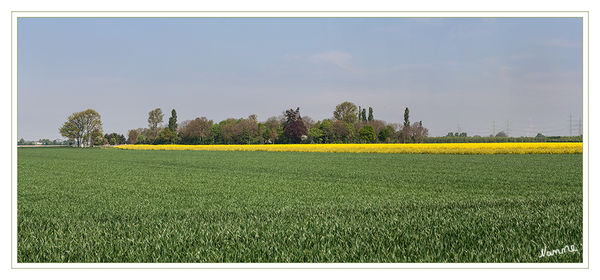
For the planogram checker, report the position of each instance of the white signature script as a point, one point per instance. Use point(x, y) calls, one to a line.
point(567, 249)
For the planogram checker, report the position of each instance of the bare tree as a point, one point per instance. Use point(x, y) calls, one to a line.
point(418, 132)
point(132, 136)
point(308, 122)
point(196, 131)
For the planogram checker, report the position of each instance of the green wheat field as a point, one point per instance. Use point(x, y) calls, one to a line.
point(109, 205)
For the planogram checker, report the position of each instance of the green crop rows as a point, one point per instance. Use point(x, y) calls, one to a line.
point(108, 205)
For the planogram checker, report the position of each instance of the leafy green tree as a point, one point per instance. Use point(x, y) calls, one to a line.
point(315, 134)
point(166, 135)
point(363, 115)
point(155, 118)
point(346, 112)
point(385, 134)
point(291, 116)
point(82, 127)
point(360, 119)
point(367, 134)
point(98, 139)
point(142, 139)
point(173, 121)
point(406, 134)
point(326, 128)
point(370, 114)
point(115, 138)
point(21, 142)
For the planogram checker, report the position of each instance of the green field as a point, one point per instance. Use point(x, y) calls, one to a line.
point(108, 205)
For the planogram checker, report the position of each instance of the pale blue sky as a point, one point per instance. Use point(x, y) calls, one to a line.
point(450, 72)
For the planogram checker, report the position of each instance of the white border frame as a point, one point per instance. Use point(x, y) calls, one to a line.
point(529, 14)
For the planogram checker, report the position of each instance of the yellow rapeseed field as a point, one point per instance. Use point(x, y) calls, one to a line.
point(437, 148)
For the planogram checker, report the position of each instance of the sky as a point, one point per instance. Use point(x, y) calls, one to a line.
point(474, 75)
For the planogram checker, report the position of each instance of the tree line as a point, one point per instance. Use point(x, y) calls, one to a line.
point(349, 124)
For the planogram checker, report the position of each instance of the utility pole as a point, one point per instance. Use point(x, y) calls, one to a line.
point(580, 127)
point(493, 128)
point(570, 125)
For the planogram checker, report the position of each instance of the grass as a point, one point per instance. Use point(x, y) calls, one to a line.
point(109, 205)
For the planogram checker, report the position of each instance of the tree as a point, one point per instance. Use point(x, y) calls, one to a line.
point(385, 134)
point(197, 131)
point(363, 115)
point(370, 114)
point(501, 134)
point(132, 136)
point(406, 135)
point(83, 127)
point(21, 142)
point(115, 139)
point(98, 139)
point(367, 134)
point(378, 125)
point(248, 130)
point(292, 115)
point(155, 117)
point(142, 139)
point(315, 134)
point(340, 131)
point(360, 115)
point(418, 132)
point(326, 128)
point(346, 112)
point(539, 135)
point(173, 121)
point(228, 131)
point(295, 130)
point(308, 122)
point(73, 129)
point(270, 129)
point(166, 135)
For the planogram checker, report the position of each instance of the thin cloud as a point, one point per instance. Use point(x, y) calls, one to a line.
point(342, 60)
point(290, 57)
point(561, 43)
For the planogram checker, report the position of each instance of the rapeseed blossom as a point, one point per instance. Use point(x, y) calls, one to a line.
point(434, 148)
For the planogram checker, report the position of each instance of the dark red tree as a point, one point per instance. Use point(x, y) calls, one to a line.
point(295, 130)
